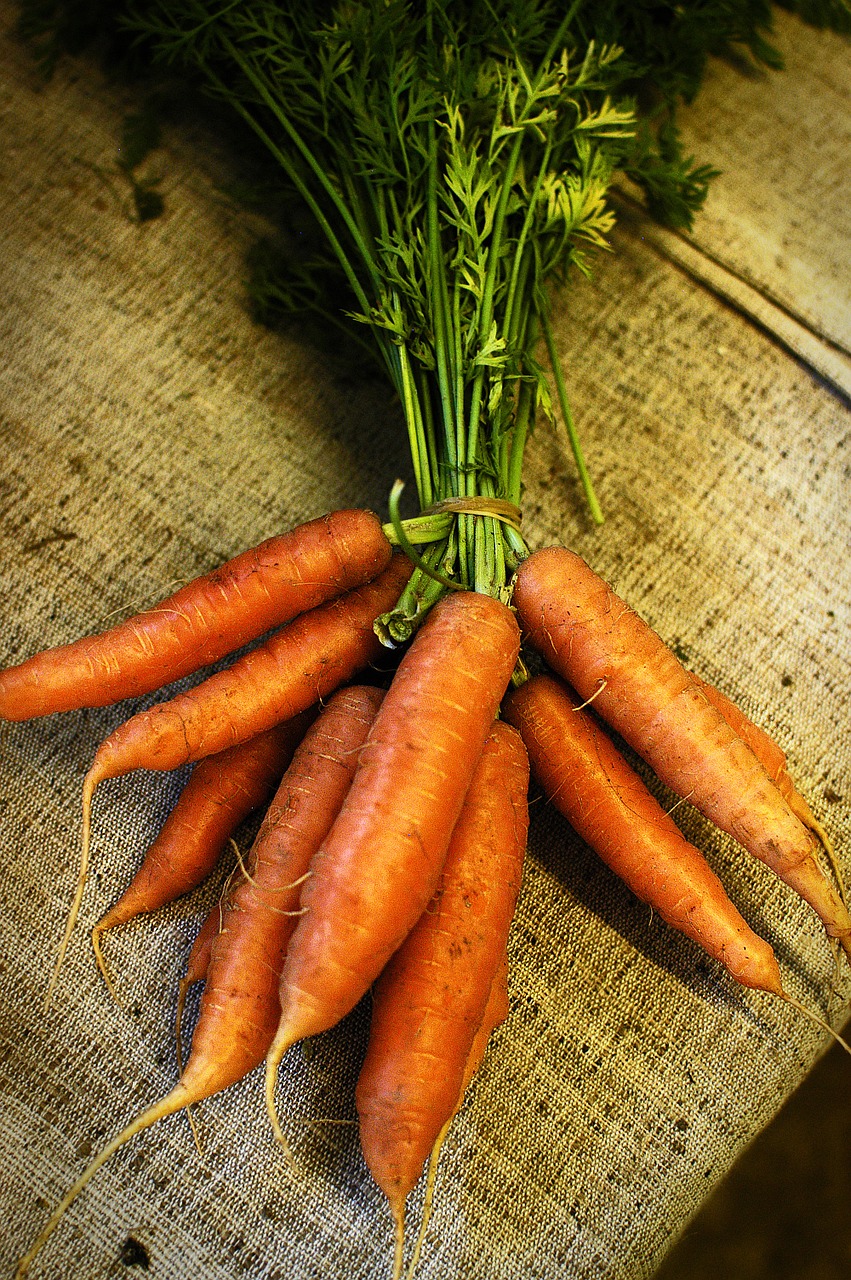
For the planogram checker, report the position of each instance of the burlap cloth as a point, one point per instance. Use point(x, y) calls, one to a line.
point(149, 430)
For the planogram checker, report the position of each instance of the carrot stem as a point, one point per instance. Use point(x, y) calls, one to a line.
point(97, 932)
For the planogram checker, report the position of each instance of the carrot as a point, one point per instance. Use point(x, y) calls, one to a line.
point(222, 791)
point(296, 668)
point(589, 782)
point(376, 872)
point(239, 1008)
point(431, 997)
point(496, 1012)
point(773, 760)
point(208, 618)
point(639, 687)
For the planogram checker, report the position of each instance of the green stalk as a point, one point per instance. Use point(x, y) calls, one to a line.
point(566, 425)
point(486, 314)
point(416, 431)
point(440, 313)
point(321, 175)
point(522, 420)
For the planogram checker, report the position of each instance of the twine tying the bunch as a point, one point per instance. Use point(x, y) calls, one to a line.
point(496, 508)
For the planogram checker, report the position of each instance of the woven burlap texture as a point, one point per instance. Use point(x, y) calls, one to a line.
point(149, 430)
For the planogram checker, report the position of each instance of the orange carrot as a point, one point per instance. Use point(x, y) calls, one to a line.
point(247, 954)
point(431, 997)
point(222, 791)
point(766, 750)
point(773, 760)
point(208, 618)
point(589, 782)
point(496, 1012)
point(296, 668)
point(376, 872)
point(239, 1008)
point(639, 687)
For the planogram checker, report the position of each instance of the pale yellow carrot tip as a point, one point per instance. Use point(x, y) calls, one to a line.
point(428, 1199)
point(91, 781)
point(101, 963)
point(398, 1211)
point(819, 1021)
point(804, 813)
point(276, 1053)
point(166, 1106)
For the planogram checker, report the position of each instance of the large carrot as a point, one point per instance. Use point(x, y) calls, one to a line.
point(221, 792)
point(239, 1008)
point(208, 618)
point(376, 872)
point(587, 779)
point(296, 668)
point(431, 997)
point(639, 687)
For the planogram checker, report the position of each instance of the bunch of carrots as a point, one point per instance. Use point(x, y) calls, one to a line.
point(455, 158)
point(391, 851)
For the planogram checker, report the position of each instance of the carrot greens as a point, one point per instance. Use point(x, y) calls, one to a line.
point(456, 159)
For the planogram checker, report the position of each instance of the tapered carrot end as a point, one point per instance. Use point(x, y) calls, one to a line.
point(101, 964)
point(397, 1208)
point(182, 991)
point(279, 1047)
point(428, 1199)
point(759, 969)
point(93, 777)
point(802, 810)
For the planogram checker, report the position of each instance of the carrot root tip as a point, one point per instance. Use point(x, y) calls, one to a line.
point(275, 1054)
point(101, 963)
point(428, 1199)
point(93, 777)
point(818, 1020)
point(398, 1210)
point(172, 1102)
